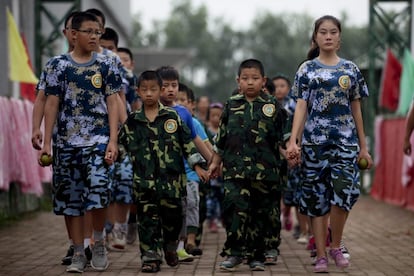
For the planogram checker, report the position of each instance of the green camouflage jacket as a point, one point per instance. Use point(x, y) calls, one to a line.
point(249, 137)
point(157, 148)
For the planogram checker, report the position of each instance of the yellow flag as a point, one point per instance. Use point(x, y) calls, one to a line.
point(18, 59)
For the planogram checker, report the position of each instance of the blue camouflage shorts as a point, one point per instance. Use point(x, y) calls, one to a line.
point(292, 191)
point(80, 180)
point(330, 177)
point(122, 181)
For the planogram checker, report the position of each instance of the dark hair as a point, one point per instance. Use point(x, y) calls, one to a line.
point(282, 77)
point(314, 50)
point(111, 35)
point(126, 50)
point(148, 76)
point(168, 73)
point(81, 17)
point(187, 90)
point(97, 13)
point(69, 17)
point(251, 63)
point(270, 86)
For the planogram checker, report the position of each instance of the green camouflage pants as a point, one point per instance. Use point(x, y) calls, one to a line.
point(160, 220)
point(252, 218)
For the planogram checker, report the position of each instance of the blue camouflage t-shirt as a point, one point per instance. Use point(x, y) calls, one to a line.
point(82, 118)
point(329, 91)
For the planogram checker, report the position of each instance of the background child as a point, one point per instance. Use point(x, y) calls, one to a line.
point(121, 185)
point(291, 194)
point(215, 192)
point(194, 220)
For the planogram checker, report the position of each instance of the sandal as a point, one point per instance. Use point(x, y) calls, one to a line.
point(150, 267)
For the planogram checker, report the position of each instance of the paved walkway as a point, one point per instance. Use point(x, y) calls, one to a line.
point(380, 238)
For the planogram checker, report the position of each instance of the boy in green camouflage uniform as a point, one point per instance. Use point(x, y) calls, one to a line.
point(156, 141)
point(252, 128)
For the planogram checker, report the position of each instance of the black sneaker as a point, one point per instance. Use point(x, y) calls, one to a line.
point(67, 260)
point(193, 250)
point(88, 253)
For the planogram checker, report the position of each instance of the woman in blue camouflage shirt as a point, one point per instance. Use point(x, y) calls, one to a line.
point(328, 90)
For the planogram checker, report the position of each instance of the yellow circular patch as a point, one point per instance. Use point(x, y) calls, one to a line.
point(97, 80)
point(170, 126)
point(269, 110)
point(344, 82)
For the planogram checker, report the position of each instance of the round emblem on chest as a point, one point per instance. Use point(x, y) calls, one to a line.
point(97, 80)
point(170, 126)
point(344, 82)
point(269, 110)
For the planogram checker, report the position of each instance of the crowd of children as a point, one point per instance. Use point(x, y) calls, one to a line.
point(141, 155)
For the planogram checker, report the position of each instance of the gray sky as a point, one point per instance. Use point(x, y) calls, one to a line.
point(241, 12)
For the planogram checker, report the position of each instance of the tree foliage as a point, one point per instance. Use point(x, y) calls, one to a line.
point(279, 41)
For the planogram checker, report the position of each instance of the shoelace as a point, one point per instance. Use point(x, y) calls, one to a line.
point(99, 248)
point(342, 246)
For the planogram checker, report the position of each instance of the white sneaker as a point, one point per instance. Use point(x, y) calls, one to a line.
point(303, 239)
point(118, 239)
point(345, 251)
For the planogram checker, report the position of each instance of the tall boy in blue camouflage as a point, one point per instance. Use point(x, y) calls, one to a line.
point(81, 89)
point(156, 140)
point(251, 130)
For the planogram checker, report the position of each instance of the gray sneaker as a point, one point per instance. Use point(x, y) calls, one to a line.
point(131, 233)
point(78, 263)
point(99, 256)
point(231, 263)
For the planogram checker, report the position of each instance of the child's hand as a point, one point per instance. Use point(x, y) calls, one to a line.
point(202, 174)
point(213, 171)
point(44, 152)
point(293, 155)
point(363, 154)
point(37, 139)
point(111, 153)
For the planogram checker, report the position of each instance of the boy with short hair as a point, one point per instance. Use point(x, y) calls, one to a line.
point(170, 82)
point(250, 133)
point(133, 103)
point(81, 89)
point(156, 140)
